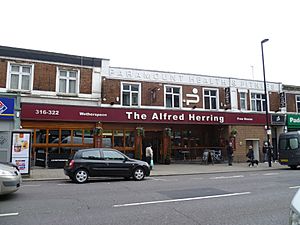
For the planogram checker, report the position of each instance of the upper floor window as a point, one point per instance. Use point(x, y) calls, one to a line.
point(210, 99)
point(20, 76)
point(130, 94)
point(172, 96)
point(243, 101)
point(68, 81)
point(298, 103)
point(258, 102)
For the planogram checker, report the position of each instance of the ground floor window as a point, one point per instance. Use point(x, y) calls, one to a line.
point(189, 144)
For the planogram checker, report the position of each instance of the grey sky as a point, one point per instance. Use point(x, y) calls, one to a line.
point(213, 37)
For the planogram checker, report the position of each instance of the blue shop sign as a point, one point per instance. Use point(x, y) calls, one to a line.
point(7, 108)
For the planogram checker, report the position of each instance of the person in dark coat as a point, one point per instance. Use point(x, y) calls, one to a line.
point(250, 155)
point(229, 150)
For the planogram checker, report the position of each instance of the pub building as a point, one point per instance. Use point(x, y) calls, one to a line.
point(72, 102)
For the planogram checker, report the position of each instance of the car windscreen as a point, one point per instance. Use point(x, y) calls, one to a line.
point(289, 143)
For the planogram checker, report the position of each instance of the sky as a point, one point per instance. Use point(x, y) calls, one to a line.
point(207, 37)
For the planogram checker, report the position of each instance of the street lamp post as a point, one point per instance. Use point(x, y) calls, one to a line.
point(266, 104)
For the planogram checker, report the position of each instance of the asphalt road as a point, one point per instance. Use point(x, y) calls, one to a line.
point(228, 198)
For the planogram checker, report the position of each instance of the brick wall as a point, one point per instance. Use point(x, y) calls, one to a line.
point(3, 73)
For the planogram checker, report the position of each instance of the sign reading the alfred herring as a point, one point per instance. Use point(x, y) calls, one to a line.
point(293, 121)
point(127, 115)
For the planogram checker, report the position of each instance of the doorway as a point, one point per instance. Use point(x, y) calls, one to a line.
point(255, 145)
point(155, 139)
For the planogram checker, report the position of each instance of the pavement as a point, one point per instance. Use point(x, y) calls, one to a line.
point(43, 174)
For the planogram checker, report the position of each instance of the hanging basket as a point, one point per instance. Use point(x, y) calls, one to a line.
point(98, 131)
point(168, 132)
point(140, 131)
point(233, 132)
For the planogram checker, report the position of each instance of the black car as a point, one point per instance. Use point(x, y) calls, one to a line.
point(104, 162)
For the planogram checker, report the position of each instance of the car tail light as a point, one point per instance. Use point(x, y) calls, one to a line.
point(72, 164)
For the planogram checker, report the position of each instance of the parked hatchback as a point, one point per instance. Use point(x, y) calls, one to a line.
point(104, 162)
point(10, 178)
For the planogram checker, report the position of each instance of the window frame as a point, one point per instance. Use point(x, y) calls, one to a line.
point(173, 94)
point(130, 93)
point(210, 97)
point(255, 99)
point(245, 99)
point(68, 79)
point(297, 103)
point(9, 73)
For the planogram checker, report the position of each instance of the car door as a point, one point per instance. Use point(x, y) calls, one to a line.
point(117, 163)
point(93, 162)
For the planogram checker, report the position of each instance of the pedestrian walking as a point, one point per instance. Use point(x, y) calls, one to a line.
point(149, 155)
point(230, 153)
point(250, 156)
point(265, 151)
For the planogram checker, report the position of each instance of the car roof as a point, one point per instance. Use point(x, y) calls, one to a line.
point(89, 149)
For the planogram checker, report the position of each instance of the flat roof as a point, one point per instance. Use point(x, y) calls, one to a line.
point(49, 56)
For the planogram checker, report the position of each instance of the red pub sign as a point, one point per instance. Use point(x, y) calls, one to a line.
point(135, 115)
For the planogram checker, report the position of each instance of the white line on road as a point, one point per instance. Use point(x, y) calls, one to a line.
point(9, 214)
point(228, 177)
point(198, 178)
point(182, 199)
point(270, 174)
point(160, 179)
point(294, 187)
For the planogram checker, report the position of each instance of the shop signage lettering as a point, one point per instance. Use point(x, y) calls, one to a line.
point(174, 117)
point(189, 79)
point(293, 121)
point(123, 115)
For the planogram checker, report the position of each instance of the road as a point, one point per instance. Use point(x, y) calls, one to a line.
point(239, 198)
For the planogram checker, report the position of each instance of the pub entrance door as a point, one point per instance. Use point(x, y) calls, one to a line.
point(155, 139)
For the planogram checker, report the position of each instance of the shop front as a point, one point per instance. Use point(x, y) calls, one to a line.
point(175, 135)
point(293, 122)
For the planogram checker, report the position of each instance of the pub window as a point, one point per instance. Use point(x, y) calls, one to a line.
point(41, 136)
point(130, 94)
point(172, 96)
point(20, 77)
point(298, 103)
point(53, 136)
point(176, 139)
point(65, 136)
point(107, 139)
point(129, 138)
point(210, 99)
point(88, 136)
point(118, 138)
point(258, 102)
point(243, 101)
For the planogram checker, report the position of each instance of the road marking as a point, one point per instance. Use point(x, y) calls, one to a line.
point(161, 179)
point(270, 174)
point(9, 214)
point(182, 199)
point(294, 187)
point(31, 185)
point(157, 179)
point(228, 177)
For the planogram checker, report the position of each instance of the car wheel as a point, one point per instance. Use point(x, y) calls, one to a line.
point(138, 173)
point(293, 167)
point(81, 176)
